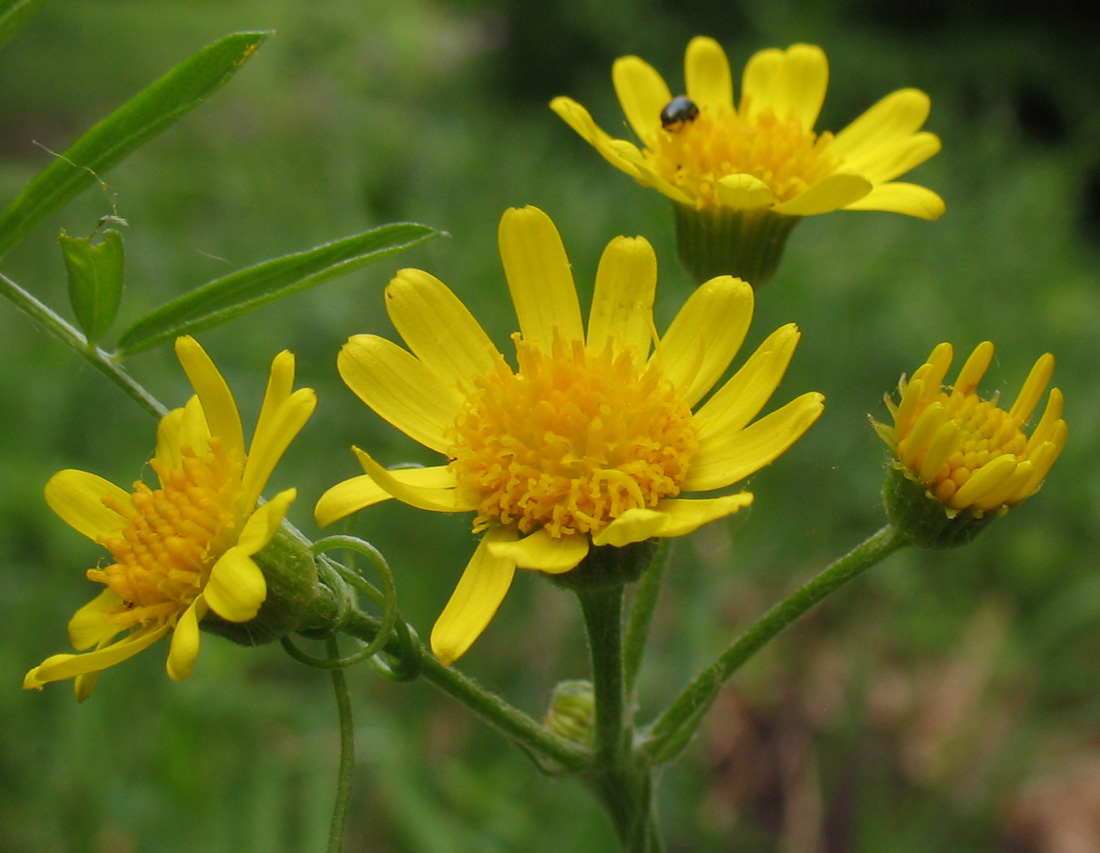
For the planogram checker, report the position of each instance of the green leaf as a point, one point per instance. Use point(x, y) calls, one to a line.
point(95, 280)
point(131, 125)
point(15, 13)
point(225, 298)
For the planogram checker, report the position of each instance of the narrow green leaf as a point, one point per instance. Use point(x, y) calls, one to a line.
point(225, 298)
point(131, 125)
point(95, 280)
point(15, 13)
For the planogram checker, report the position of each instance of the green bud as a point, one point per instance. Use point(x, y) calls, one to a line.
point(716, 241)
point(572, 712)
point(925, 520)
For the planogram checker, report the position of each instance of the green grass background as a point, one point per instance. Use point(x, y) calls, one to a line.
point(945, 701)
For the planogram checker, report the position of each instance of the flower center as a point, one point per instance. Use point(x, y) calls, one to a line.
point(172, 536)
point(984, 433)
point(782, 154)
point(570, 441)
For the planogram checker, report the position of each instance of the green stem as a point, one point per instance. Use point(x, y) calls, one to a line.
point(623, 783)
point(530, 735)
point(673, 729)
point(71, 337)
point(641, 616)
point(347, 754)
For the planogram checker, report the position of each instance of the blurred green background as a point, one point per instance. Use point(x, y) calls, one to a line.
point(945, 701)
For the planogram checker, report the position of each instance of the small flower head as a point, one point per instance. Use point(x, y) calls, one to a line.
point(592, 440)
point(960, 460)
point(746, 173)
point(187, 547)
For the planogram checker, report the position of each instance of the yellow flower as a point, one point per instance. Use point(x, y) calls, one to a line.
point(965, 452)
point(185, 548)
point(764, 153)
point(592, 440)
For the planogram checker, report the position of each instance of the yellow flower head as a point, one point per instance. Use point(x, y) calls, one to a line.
point(592, 440)
point(966, 452)
point(185, 548)
point(704, 153)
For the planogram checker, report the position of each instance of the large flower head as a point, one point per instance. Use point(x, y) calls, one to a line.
point(727, 165)
point(185, 548)
point(596, 435)
point(964, 454)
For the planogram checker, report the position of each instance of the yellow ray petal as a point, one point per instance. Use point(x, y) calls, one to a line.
point(472, 605)
point(63, 666)
point(1034, 386)
point(744, 395)
point(705, 336)
point(758, 82)
point(538, 276)
point(643, 93)
point(900, 197)
point(743, 192)
point(829, 194)
point(543, 552)
point(236, 588)
point(217, 401)
point(684, 515)
point(264, 523)
point(974, 369)
point(89, 626)
point(885, 162)
point(185, 641)
point(439, 329)
point(360, 492)
point(800, 87)
point(280, 384)
point(986, 479)
point(400, 388)
point(707, 76)
point(407, 489)
point(725, 459)
point(77, 497)
point(896, 116)
point(578, 118)
point(169, 432)
point(634, 525)
point(271, 440)
point(622, 303)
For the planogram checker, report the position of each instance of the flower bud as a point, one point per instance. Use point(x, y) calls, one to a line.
point(572, 712)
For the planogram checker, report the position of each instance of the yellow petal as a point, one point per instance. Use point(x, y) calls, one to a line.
point(829, 194)
point(792, 83)
point(400, 388)
point(63, 666)
point(898, 115)
point(89, 625)
point(645, 174)
point(705, 336)
point(707, 76)
point(634, 525)
point(77, 497)
point(622, 303)
point(1051, 415)
point(474, 602)
point(273, 436)
point(643, 93)
point(1034, 386)
point(578, 118)
point(264, 523)
point(543, 552)
point(360, 492)
point(725, 459)
point(758, 81)
point(900, 197)
point(683, 515)
point(743, 192)
point(236, 587)
point(185, 641)
point(280, 384)
point(744, 395)
point(439, 329)
point(169, 432)
point(974, 369)
point(217, 401)
point(538, 276)
point(985, 481)
point(887, 162)
point(408, 490)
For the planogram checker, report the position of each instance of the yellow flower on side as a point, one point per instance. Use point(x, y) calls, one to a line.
point(592, 441)
point(965, 452)
point(186, 548)
point(760, 157)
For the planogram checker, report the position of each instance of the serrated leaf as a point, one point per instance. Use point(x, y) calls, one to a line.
point(245, 290)
point(15, 13)
point(131, 125)
point(95, 280)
